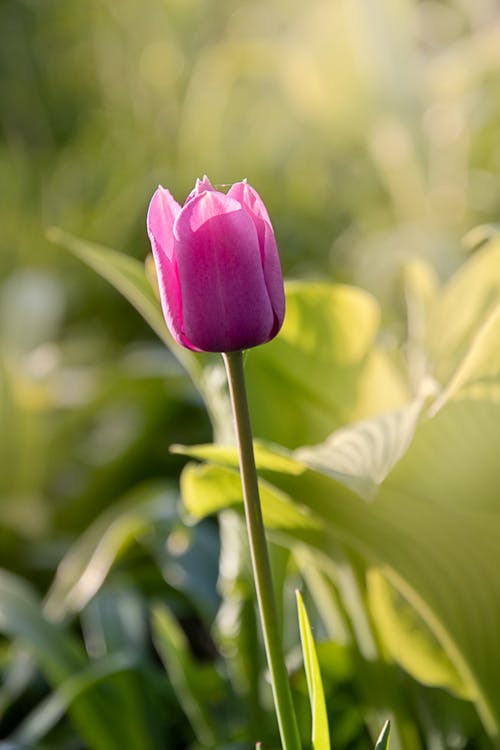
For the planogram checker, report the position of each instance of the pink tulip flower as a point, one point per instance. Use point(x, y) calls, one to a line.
point(218, 267)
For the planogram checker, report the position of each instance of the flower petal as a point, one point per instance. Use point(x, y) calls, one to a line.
point(162, 212)
point(253, 203)
point(200, 187)
point(225, 302)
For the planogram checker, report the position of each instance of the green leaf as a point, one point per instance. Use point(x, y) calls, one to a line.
point(383, 738)
point(320, 731)
point(407, 638)
point(420, 285)
point(329, 329)
point(129, 277)
point(361, 455)
point(440, 553)
point(324, 363)
point(184, 674)
point(477, 375)
point(42, 719)
point(60, 658)
point(452, 323)
point(84, 568)
point(208, 489)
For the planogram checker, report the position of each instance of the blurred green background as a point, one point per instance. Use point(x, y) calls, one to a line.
point(371, 130)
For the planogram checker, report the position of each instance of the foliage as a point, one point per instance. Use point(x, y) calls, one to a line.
point(377, 499)
point(371, 132)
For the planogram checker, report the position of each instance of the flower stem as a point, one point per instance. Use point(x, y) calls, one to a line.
point(260, 558)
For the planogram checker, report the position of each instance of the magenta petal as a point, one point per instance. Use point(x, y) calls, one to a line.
point(248, 197)
point(225, 302)
point(253, 203)
point(200, 187)
point(162, 213)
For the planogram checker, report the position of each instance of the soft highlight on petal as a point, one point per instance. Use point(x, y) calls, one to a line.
point(200, 187)
point(162, 213)
point(253, 203)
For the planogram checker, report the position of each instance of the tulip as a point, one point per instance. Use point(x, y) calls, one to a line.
point(218, 267)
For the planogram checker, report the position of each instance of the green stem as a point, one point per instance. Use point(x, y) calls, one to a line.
point(260, 559)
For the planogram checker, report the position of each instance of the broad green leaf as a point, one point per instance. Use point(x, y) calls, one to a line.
point(420, 285)
point(85, 566)
point(408, 639)
point(383, 738)
point(320, 731)
point(115, 622)
point(184, 674)
point(52, 709)
point(60, 658)
point(463, 305)
point(453, 459)
point(320, 363)
point(129, 277)
point(20, 617)
point(276, 459)
point(443, 558)
point(361, 455)
point(208, 489)
point(478, 374)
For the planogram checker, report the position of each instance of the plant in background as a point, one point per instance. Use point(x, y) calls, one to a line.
point(375, 496)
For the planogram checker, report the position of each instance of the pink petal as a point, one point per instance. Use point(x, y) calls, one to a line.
point(251, 200)
point(225, 301)
point(200, 187)
point(162, 212)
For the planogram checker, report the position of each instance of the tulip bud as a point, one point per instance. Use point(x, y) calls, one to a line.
point(218, 267)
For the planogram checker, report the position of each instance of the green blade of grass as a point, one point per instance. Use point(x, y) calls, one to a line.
point(383, 738)
point(320, 731)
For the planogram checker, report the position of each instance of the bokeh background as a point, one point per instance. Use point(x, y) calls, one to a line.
point(371, 130)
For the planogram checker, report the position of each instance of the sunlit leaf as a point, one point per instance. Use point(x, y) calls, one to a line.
point(383, 738)
point(463, 305)
point(320, 731)
point(129, 277)
point(429, 547)
point(320, 363)
point(408, 639)
point(361, 455)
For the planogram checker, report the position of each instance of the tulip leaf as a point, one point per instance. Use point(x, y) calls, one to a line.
point(129, 277)
point(320, 732)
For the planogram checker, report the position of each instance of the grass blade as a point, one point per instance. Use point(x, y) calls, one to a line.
point(320, 730)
